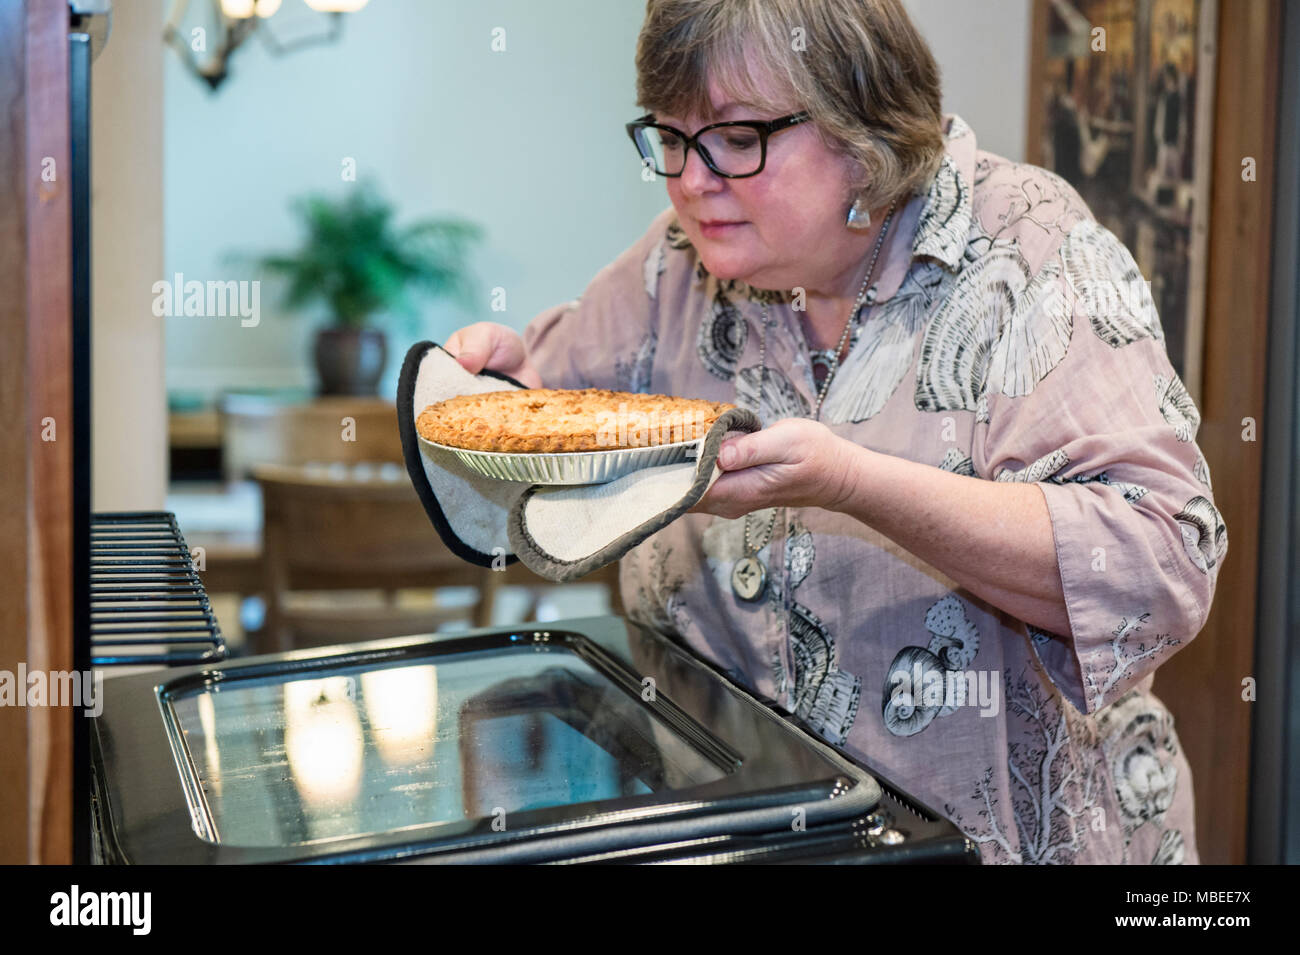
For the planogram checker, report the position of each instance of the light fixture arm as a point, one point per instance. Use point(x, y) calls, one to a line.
point(230, 34)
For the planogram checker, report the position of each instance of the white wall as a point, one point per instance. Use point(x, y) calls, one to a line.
point(128, 401)
point(982, 47)
point(528, 142)
point(416, 95)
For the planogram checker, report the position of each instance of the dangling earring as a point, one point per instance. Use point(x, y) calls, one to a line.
point(859, 216)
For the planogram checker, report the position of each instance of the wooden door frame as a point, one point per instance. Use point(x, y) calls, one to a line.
point(1275, 754)
point(36, 387)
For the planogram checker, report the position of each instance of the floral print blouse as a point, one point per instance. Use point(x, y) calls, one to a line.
point(1009, 337)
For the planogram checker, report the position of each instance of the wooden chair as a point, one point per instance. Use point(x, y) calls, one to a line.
point(256, 429)
point(345, 532)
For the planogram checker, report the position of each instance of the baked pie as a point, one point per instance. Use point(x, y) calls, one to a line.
point(530, 420)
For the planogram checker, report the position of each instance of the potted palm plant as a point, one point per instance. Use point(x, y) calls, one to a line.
point(362, 266)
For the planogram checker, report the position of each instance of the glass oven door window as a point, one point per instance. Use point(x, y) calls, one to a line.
point(300, 757)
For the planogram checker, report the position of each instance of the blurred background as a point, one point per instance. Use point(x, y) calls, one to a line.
point(345, 178)
point(493, 130)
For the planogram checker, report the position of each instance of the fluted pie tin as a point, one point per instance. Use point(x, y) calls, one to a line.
point(570, 467)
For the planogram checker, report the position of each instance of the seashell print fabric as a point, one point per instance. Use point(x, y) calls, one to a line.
point(1010, 338)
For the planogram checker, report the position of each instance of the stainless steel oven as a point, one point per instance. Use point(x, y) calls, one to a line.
point(586, 740)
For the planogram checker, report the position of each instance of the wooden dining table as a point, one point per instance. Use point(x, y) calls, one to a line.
point(222, 525)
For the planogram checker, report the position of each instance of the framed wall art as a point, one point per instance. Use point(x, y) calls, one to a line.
point(1121, 106)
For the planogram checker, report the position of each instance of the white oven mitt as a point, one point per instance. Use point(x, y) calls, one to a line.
point(559, 532)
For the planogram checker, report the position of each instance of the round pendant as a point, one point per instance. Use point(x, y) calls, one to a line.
point(822, 363)
point(748, 578)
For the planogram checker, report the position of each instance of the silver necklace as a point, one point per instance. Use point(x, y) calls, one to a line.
point(749, 576)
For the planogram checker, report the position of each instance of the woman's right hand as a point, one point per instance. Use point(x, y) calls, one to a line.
point(493, 346)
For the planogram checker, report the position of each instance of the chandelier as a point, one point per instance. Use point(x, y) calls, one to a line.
point(206, 52)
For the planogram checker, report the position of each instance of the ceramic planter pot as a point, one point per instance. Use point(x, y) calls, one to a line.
point(350, 361)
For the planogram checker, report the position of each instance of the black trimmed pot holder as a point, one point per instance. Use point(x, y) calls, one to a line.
point(560, 532)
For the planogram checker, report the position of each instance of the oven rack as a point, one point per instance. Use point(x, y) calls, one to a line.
point(147, 603)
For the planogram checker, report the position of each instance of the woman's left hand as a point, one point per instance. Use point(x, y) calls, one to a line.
point(795, 462)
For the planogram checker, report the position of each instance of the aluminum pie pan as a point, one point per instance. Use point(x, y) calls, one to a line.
point(570, 467)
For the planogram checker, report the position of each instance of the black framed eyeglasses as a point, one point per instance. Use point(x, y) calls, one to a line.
point(734, 150)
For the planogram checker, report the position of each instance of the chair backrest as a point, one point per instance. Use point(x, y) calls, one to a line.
point(352, 527)
point(257, 429)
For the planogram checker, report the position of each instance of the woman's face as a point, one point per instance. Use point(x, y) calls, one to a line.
point(779, 229)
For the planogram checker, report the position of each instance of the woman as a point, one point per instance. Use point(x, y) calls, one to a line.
point(975, 520)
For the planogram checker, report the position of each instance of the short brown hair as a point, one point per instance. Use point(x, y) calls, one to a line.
point(865, 75)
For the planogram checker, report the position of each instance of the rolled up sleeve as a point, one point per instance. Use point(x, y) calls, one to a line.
point(1108, 435)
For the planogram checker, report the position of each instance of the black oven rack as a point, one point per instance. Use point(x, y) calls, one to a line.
point(147, 604)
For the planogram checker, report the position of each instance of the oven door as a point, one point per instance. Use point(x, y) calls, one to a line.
point(591, 740)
